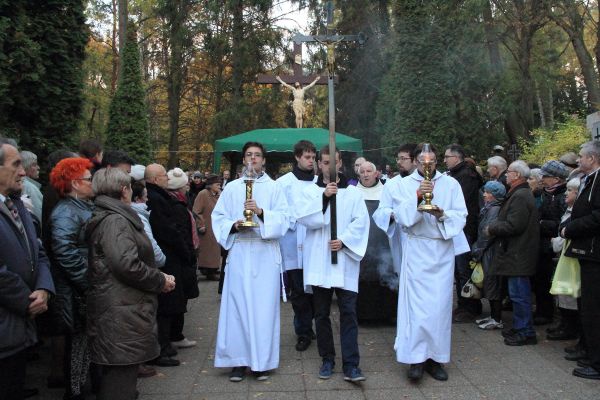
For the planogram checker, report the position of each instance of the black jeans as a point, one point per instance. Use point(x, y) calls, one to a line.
point(348, 325)
point(302, 303)
point(590, 310)
point(12, 376)
point(542, 281)
point(462, 273)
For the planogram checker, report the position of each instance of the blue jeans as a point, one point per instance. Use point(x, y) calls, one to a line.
point(519, 290)
point(348, 325)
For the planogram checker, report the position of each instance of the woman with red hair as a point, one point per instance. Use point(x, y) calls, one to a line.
point(72, 180)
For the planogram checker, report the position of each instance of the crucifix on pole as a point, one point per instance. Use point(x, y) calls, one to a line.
point(330, 39)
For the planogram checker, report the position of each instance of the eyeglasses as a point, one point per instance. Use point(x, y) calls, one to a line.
point(446, 157)
point(403, 158)
point(250, 154)
point(89, 179)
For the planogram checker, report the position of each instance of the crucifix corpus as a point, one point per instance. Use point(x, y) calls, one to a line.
point(330, 39)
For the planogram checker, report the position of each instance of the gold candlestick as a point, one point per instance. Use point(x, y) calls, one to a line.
point(427, 162)
point(249, 214)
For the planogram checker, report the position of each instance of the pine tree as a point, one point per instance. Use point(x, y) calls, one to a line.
point(128, 128)
point(42, 48)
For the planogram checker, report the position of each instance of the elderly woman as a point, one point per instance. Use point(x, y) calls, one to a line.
point(123, 286)
point(71, 178)
point(483, 251)
point(535, 184)
point(209, 251)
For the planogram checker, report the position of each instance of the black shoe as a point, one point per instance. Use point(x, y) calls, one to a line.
point(574, 349)
point(436, 370)
point(584, 362)
point(163, 361)
point(556, 328)
point(509, 332)
point(237, 374)
point(27, 393)
point(542, 320)
point(168, 351)
point(578, 355)
point(303, 343)
point(562, 334)
point(586, 373)
point(415, 372)
point(520, 340)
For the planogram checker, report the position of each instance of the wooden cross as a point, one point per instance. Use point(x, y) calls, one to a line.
point(298, 74)
point(514, 152)
point(330, 39)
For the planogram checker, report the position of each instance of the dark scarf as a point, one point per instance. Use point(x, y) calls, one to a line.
point(342, 183)
point(302, 175)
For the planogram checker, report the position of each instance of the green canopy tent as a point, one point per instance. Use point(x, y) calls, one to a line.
point(279, 143)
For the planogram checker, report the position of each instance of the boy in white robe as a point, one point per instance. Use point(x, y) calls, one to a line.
point(341, 278)
point(427, 270)
point(248, 331)
point(292, 184)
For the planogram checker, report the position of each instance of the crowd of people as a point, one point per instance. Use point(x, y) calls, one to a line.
point(103, 260)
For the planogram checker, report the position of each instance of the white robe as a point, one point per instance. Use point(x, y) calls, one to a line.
point(381, 217)
point(427, 270)
point(291, 242)
point(248, 331)
point(352, 230)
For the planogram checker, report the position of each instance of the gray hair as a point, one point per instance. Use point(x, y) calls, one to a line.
point(368, 163)
point(591, 148)
point(4, 141)
point(521, 168)
point(573, 184)
point(28, 158)
point(535, 173)
point(497, 161)
point(110, 182)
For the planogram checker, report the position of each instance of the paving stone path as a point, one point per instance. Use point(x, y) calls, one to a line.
point(482, 367)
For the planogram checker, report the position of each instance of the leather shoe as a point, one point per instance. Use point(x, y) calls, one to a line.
point(27, 393)
point(520, 340)
point(415, 372)
point(578, 355)
point(145, 371)
point(586, 373)
point(463, 317)
point(562, 334)
point(303, 343)
point(584, 362)
point(436, 370)
point(509, 332)
point(163, 361)
point(574, 349)
point(168, 351)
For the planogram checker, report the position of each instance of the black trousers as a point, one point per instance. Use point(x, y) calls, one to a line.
point(302, 303)
point(118, 382)
point(12, 376)
point(542, 281)
point(348, 325)
point(590, 310)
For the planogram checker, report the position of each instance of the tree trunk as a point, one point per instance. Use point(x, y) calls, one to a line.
point(115, 51)
point(540, 105)
point(492, 40)
point(590, 76)
point(237, 52)
point(550, 109)
point(123, 14)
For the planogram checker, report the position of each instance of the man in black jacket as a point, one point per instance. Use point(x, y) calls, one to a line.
point(25, 280)
point(583, 228)
point(470, 181)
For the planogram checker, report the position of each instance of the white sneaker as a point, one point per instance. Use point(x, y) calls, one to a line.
point(491, 324)
point(185, 343)
point(483, 320)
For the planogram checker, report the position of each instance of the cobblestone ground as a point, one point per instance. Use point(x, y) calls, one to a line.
point(482, 367)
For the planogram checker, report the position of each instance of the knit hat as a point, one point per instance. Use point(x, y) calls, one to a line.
point(137, 172)
point(554, 168)
point(177, 179)
point(495, 188)
point(197, 174)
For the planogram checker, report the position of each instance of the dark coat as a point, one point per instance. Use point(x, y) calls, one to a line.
point(517, 233)
point(21, 272)
point(169, 236)
point(69, 263)
point(123, 286)
point(551, 210)
point(470, 181)
point(583, 228)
